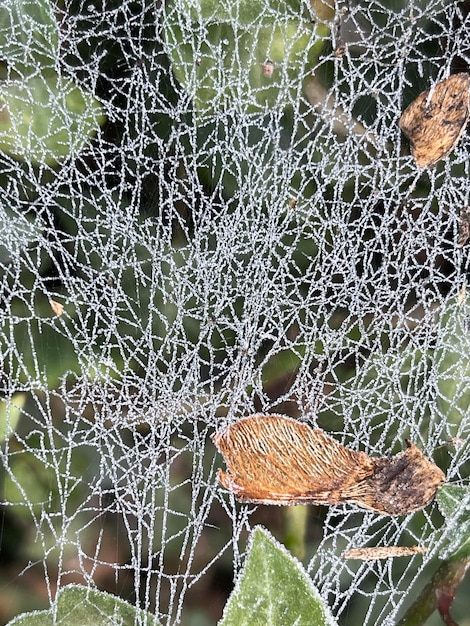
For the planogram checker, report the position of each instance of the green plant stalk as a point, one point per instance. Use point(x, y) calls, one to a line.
point(295, 530)
point(446, 579)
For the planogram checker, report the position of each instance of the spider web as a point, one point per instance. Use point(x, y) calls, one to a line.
point(224, 245)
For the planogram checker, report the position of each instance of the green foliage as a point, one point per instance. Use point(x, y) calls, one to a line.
point(454, 503)
point(219, 52)
point(47, 119)
point(451, 360)
point(274, 589)
point(10, 412)
point(28, 34)
point(437, 375)
point(44, 117)
point(79, 606)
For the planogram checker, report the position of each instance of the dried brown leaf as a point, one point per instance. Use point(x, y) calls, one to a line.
point(435, 121)
point(57, 307)
point(464, 226)
point(277, 460)
point(385, 552)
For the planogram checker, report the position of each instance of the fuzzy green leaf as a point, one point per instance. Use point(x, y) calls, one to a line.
point(454, 503)
point(80, 606)
point(46, 119)
point(273, 588)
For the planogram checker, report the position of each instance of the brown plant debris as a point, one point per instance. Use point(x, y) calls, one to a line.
point(57, 307)
point(435, 121)
point(272, 459)
point(464, 226)
point(385, 552)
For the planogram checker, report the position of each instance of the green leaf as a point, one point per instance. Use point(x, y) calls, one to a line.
point(220, 54)
point(35, 618)
point(454, 503)
point(242, 12)
point(388, 382)
point(28, 34)
point(46, 119)
point(10, 413)
point(80, 606)
point(273, 588)
point(451, 360)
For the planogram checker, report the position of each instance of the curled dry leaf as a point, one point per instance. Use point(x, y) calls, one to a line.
point(340, 49)
point(464, 226)
point(277, 460)
point(57, 307)
point(293, 203)
point(385, 552)
point(435, 121)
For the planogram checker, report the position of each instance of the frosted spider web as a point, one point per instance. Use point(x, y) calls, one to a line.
point(219, 254)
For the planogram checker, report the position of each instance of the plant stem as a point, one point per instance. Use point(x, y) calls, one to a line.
point(444, 583)
point(296, 525)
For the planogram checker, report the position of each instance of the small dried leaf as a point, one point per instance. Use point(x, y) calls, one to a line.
point(386, 552)
point(435, 121)
point(278, 460)
point(56, 307)
point(293, 203)
point(340, 49)
point(464, 226)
